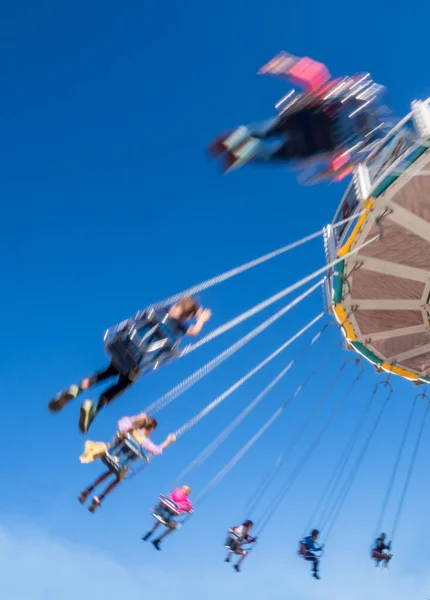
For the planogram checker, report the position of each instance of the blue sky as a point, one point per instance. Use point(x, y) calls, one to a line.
point(110, 203)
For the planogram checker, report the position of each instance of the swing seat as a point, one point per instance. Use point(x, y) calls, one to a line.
point(376, 555)
point(121, 454)
point(143, 341)
point(232, 540)
point(380, 556)
point(166, 510)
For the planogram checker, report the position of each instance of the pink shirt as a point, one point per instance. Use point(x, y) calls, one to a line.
point(127, 423)
point(180, 498)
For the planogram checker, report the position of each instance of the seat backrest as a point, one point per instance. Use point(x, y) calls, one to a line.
point(169, 504)
point(132, 444)
point(233, 534)
point(146, 338)
point(302, 548)
point(122, 452)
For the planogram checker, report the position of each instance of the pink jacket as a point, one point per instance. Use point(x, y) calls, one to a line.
point(180, 498)
point(127, 423)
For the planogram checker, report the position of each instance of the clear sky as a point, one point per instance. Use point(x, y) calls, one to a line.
point(109, 203)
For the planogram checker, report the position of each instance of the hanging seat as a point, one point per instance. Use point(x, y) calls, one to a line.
point(233, 540)
point(141, 343)
point(122, 453)
point(166, 510)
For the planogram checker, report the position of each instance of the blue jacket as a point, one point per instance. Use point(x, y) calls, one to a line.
point(310, 544)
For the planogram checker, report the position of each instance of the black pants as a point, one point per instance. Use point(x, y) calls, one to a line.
point(124, 382)
point(310, 556)
point(308, 132)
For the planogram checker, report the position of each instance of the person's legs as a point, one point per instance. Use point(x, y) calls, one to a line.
point(89, 410)
point(74, 390)
point(232, 546)
point(110, 488)
point(97, 500)
point(171, 527)
point(87, 491)
point(307, 134)
point(124, 382)
point(166, 533)
point(314, 560)
point(321, 132)
point(151, 531)
point(293, 142)
point(243, 554)
point(386, 558)
point(98, 376)
point(377, 555)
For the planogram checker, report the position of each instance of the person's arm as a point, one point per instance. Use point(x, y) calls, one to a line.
point(202, 317)
point(171, 439)
point(315, 547)
point(154, 449)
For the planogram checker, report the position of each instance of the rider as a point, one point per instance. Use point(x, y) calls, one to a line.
point(326, 119)
point(140, 427)
point(235, 542)
point(179, 497)
point(379, 553)
point(186, 308)
point(308, 547)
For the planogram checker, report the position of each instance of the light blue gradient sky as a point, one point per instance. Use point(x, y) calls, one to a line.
point(110, 203)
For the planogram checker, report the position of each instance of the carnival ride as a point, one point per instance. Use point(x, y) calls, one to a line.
point(376, 286)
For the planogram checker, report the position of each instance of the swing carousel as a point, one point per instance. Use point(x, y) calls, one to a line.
point(376, 287)
point(381, 294)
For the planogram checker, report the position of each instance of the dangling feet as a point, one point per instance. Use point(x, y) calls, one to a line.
point(227, 559)
point(146, 537)
point(315, 575)
point(83, 496)
point(156, 544)
point(386, 562)
point(61, 399)
point(87, 415)
point(228, 141)
point(95, 504)
point(238, 147)
point(236, 568)
point(241, 155)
